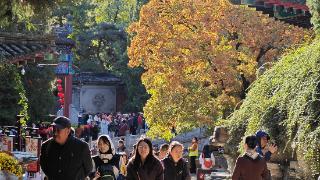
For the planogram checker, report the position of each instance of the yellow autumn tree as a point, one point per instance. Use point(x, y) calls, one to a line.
point(200, 56)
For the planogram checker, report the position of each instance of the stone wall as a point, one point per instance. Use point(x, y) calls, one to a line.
point(94, 99)
point(76, 97)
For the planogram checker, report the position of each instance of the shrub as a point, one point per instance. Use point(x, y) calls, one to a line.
point(285, 102)
point(10, 165)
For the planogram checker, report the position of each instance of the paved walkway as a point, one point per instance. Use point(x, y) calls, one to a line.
point(193, 177)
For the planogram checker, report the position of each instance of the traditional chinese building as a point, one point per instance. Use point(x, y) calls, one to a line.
point(19, 49)
point(98, 92)
point(294, 12)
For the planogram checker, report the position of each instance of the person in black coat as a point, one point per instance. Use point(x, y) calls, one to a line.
point(144, 165)
point(175, 167)
point(64, 156)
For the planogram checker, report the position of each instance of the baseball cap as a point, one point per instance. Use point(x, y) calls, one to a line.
point(261, 134)
point(61, 122)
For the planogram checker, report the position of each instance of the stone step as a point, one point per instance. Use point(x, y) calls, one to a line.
point(184, 138)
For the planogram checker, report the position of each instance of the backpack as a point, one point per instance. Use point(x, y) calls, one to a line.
point(207, 163)
point(107, 177)
point(106, 172)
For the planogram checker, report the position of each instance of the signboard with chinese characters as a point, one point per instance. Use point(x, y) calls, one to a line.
point(62, 68)
point(6, 143)
point(32, 145)
point(48, 57)
point(65, 57)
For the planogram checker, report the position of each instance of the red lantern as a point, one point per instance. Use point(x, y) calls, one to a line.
point(60, 89)
point(61, 95)
point(59, 81)
point(61, 101)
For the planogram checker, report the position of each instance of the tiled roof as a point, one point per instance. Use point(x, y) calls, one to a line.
point(294, 12)
point(91, 78)
point(18, 47)
point(287, 4)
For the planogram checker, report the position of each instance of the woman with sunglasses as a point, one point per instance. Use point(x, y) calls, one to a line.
point(144, 165)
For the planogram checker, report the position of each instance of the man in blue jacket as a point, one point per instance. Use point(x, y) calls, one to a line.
point(265, 149)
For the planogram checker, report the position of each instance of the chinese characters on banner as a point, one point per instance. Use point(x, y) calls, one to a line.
point(6, 143)
point(32, 145)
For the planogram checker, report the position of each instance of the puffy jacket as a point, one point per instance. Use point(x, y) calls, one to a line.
point(248, 168)
point(259, 135)
point(175, 171)
point(70, 161)
point(142, 172)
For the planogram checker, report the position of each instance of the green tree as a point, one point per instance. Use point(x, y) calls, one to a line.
point(38, 86)
point(33, 15)
point(314, 6)
point(285, 102)
point(101, 38)
point(102, 42)
point(13, 99)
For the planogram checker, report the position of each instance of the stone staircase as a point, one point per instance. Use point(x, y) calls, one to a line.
point(184, 138)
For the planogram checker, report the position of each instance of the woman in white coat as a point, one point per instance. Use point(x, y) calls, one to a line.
point(104, 126)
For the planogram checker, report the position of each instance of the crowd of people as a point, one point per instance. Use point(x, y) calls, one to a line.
point(114, 124)
point(65, 156)
point(91, 125)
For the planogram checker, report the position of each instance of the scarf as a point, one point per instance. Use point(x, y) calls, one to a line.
point(105, 157)
point(252, 153)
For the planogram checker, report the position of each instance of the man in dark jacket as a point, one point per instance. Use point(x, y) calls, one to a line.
point(64, 156)
point(251, 166)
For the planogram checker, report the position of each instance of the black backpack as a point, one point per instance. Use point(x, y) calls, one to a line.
point(105, 170)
